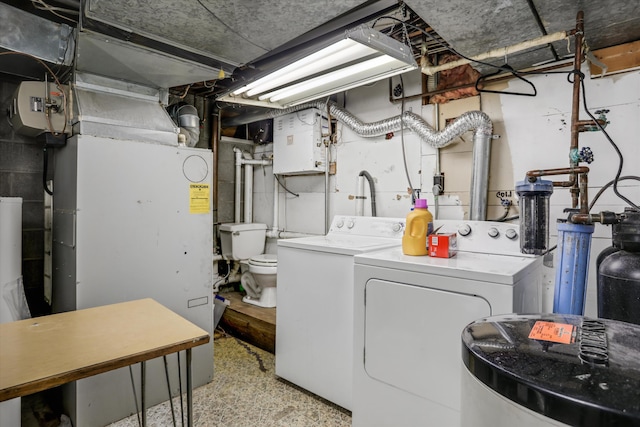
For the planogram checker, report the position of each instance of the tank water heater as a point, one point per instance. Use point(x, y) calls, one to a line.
point(29, 104)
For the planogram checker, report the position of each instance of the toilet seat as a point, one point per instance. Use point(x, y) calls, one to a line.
point(264, 260)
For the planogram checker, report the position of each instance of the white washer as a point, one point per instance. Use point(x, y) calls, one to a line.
point(410, 312)
point(314, 325)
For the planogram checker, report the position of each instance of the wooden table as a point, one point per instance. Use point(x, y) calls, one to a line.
point(44, 352)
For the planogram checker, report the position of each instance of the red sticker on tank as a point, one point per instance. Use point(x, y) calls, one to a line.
point(563, 333)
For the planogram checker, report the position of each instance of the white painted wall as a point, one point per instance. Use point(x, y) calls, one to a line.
point(534, 133)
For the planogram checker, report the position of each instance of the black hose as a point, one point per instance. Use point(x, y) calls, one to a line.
point(580, 75)
point(283, 186)
point(45, 167)
point(372, 190)
point(609, 184)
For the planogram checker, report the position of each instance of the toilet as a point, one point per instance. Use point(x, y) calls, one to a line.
point(244, 242)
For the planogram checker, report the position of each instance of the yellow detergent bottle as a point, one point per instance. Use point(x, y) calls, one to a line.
point(419, 225)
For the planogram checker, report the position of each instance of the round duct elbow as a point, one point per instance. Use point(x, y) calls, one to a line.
point(186, 117)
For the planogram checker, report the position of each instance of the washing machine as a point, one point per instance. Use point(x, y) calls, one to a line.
point(409, 312)
point(550, 370)
point(314, 323)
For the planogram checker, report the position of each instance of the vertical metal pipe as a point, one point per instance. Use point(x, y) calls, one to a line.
point(480, 177)
point(575, 107)
point(584, 193)
point(326, 184)
point(436, 203)
point(215, 140)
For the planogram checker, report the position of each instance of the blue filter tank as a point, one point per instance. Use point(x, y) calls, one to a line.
point(574, 247)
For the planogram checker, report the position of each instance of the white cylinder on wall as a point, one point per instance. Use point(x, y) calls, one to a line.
point(10, 276)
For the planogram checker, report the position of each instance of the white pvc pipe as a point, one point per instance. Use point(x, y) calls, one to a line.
point(248, 185)
point(497, 53)
point(248, 192)
point(238, 185)
point(277, 234)
point(276, 203)
point(360, 196)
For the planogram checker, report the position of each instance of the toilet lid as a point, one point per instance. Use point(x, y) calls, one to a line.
point(265, 260)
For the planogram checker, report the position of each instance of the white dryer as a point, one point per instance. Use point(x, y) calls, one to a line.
point(314, 324)
point(410, 312)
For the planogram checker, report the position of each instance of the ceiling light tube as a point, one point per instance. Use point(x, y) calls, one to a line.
point(334, 87)
point(317, 56)
point(327, 78)
point(360, 44)
point(349, 53)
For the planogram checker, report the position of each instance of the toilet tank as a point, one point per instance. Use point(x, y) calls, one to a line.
point(242, 240)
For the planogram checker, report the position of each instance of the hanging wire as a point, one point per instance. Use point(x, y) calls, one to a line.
point(609, 184)
point(404, 153)
point(575, 73)
point(41, 5)
point(580, 75)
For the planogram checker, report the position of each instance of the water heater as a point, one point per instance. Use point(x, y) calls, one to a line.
point(298, 146)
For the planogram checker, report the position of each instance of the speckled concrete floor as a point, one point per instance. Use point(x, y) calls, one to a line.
point(246, 393)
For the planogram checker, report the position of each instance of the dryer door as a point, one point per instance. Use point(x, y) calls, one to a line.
point(412, 337)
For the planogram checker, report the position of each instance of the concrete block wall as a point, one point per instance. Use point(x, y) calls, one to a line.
point(21, 165)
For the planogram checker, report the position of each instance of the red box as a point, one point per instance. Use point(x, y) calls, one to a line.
point(443, 245)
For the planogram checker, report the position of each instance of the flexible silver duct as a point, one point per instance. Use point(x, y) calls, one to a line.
point(472, 120)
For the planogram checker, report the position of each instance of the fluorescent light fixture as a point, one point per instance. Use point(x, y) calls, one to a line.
point(363, 56)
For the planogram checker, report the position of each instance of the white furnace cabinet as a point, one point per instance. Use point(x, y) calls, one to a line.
point(132, 220)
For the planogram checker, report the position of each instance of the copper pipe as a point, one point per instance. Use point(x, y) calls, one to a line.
point(577, 62)
point(584, 218)
point(584, 193)
point(558, 171)
point(573, 174)
point(575, 110)
point(588, 125)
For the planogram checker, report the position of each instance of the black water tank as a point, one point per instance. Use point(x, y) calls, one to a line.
point(619, 272)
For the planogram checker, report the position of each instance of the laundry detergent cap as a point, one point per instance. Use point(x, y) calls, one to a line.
point(421, 204)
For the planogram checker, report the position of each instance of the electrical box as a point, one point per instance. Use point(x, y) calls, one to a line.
point(31, 102)
point(298, 144)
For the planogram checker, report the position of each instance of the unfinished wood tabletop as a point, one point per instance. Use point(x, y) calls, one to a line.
point(44, 352)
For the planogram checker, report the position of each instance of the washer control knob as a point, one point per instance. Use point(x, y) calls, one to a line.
point(493, 232)
point(511, 233)
point(464, 230)
point(340, 223)
point(350, 224)
point(396, 227)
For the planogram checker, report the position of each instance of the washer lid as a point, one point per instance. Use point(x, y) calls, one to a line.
point(343, 245)
point(264, 260)
point(505, 269)
point(573, 369)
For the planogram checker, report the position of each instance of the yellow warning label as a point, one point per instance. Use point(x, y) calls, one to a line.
point(199, 198)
